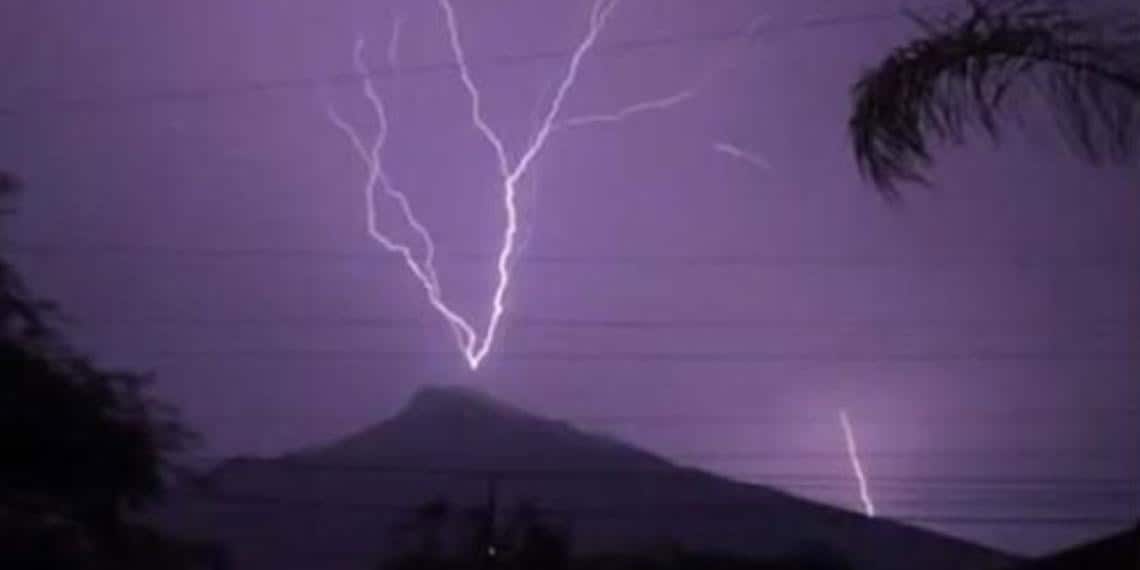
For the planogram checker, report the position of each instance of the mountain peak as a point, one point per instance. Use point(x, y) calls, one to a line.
point(463, 426)
point(455, 400)
point(449, 442)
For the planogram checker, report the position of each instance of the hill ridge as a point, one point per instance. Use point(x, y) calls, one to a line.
point(448, 443)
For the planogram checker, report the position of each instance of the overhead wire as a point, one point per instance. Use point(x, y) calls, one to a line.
point(704, 511)
point(667, 357)
point(1123, 259)
point(225, 91)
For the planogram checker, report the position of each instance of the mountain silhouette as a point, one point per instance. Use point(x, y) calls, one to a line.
point(332, 506)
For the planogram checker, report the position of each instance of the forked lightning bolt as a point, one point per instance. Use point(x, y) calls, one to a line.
point(474, 344)
point(856, 465)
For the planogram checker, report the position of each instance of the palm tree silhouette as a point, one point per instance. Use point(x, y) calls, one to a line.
point(964, 67)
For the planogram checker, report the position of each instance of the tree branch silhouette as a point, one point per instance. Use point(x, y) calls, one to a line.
point(960, 73)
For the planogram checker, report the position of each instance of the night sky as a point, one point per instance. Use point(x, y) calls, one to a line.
point(192, 209)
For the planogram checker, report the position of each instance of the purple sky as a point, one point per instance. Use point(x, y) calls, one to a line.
point(193, 210)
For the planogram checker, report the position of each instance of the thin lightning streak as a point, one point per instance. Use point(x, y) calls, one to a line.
point(749, 34)
point(474, 346)
point(394, 43)
point(477, 349)
point(373, 156)
point(535, 177)
point(856, 465)
point(738, 153)
point(642, 107)
point(377, 177)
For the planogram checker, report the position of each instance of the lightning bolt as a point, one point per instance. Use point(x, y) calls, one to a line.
point(394, 43)
point(474, 344)
point(856, 465)
point(663, 103)
point(634, 109)
point(741, 154)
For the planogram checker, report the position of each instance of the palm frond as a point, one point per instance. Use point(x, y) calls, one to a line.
point(21, 315)
point(961, 71)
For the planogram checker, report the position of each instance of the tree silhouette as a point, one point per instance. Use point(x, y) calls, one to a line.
point(964, 68)
point(21, 317)
point(534, 541)
point(419, 538)
point(528, 541)
point(534, 537)
point(81, 445)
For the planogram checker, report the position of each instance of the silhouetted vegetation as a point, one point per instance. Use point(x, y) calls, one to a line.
point(964, 68)
point(81, 446)
point(419, 539)
point(439, 537)
point(688, 560)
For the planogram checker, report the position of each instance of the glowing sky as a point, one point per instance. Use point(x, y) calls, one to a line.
point(713, 282)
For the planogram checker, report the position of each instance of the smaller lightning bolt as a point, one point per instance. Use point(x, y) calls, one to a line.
point(394, 43)
point(665, 103)
point(856, 465)
point(371, 155)
point(741, 154)
point(623, 114)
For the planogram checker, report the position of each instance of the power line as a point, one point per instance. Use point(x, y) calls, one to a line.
point(961, 520)
point(207, 93)
point(1018, 416)
point(785, 325)
point(700, 510)
point(1015, 415)
point(1123, 259)
point(670, 471)
point(750, 357)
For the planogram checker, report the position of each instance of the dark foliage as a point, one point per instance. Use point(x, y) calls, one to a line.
point(532, 537)
point(420, 537)
point(685, 560)
point(965, 67)
point(81, 446)
point(533, 540)
point(21, 317)
point(50, 542)
point(85, 439)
